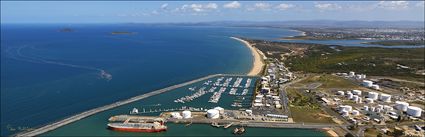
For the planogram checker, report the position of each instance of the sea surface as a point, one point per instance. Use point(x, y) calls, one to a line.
point(48, 74)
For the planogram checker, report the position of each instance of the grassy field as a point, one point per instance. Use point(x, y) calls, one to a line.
point(371, 132)
point(303, 110)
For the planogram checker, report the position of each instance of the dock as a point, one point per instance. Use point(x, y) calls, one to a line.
point(74, 118)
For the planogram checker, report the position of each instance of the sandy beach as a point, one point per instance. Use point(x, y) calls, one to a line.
point(258, 62)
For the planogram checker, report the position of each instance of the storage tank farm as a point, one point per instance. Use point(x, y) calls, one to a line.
point(367, 83)
point(357, 92)
point(399, 105)
point(213, 113)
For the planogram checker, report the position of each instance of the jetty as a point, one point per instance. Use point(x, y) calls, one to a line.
point(74, 118)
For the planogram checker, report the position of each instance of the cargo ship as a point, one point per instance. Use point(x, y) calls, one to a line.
point(137, 127)
point(128, 123)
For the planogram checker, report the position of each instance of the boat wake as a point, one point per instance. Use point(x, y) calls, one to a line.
point(103, 74)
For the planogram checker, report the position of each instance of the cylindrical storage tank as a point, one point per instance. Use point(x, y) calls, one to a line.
point(360, 100)
point(345, 107)
point(369, 100)
point(355, 112)
point(374, 86)
point(372, 109)
point(357, 92)
point(355, 98)
point(367, 83)
point(351, 74)
point(366, 108)
point(213, 113)
point(187, 114)
point(385, 97)
point(414, 111)
point(363, 76)
point(399, 105)
point(344, 113)
point(340, 93)
point(176, 115)
point(373, 95)
point(358, 76)
point(349, 95)
point(220, 109)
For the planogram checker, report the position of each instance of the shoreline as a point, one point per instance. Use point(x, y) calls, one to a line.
point(258, 56)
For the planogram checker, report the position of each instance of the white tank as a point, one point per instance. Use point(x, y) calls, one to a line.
point(366, 108)
point(373, 95)
point(340, 93)
point(414, 111)
point(187, 114)
point(360, 100)
point(399, 105)
point(349, 95)
point(363, 76)
point(351, 74)
point(176, 115)
point(355, 112)
point(367, 83)
point(355, 98)
point(357, 92)
point(358, 76)
point(369, 100)
point(344, 113)
point(220, 109)
point(385, 97)
point(213, 113)
point(374, 86)
point(345, 107)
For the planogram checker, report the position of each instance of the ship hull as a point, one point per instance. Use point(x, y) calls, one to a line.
point(135, 129)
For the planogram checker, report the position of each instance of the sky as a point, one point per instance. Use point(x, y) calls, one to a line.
point(196, 11)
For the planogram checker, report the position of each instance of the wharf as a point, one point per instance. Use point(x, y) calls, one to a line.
point(250, 123)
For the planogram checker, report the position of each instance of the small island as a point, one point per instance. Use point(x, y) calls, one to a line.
point(66, 30)
point(122, 33)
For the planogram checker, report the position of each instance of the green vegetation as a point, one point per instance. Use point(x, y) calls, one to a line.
point(370, 132)
point(330, 81)
point(370, 61)
point(398, 42)
point(309, 115)
point(303, 110)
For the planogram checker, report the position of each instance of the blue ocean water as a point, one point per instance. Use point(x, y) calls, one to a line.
point(47, 75)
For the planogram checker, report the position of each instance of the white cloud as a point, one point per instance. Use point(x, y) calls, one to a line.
point(327, 6)
point(232, 5)
point(284, 6)
point(164, 6)
point(197, 7)
point(262, 6)
point(211, 6)
point(420, 4)
point(393, 5)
